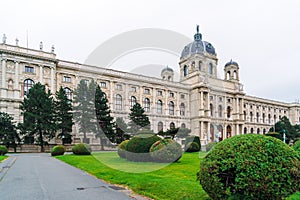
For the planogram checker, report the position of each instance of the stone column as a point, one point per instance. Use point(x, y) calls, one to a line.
point(208, 132)
point(238, 108)
point(201, 100)
point(16, 86)
point(111, 95)
point(4, 87)
point(52, 80)
point(41, 76)
point(237, 130)
point(201, 130)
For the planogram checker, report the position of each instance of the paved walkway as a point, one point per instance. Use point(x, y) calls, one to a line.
point(41, 177)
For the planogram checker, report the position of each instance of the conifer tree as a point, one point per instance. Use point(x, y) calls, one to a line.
point(138, 119)
point(121, 130)
point(8, 133)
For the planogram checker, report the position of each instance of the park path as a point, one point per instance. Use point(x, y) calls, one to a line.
point(41, 177)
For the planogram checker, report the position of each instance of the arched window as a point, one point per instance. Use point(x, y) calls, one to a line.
point(185, 70)
point(159, 106)
point(118, 102)
point(264, 131)
point(200, 65)
point(171, 108)
point(211, 107)
point(258, 131)
point(245, 115)
point(183, 125)
point(182, 109)
point(263, 118)
point(147, 105)
point(257, 117)
point(245, 130)
point(10, 84)
point(193, 65)
point(172, 125)
point(211, 69)
point(68, 92)
point(220, 110)
point(160, 126)
point(269, 119)
point(28, 83)
point(235, 75)
point(251, 130)
point(275, 119)
point(228, 131)
point(228, 75)
point(132, 101)
point(251, 117)
point(228, 112)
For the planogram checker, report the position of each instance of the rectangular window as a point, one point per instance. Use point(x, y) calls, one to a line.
point(133, 89)
point(29, 69)
point(182, 96)
point(119, 87)
point(159, 93)
point(103, 84)
point(211, 98)
point(147, 91)
point(220, 99)
point(67, 79)
point(171, 94)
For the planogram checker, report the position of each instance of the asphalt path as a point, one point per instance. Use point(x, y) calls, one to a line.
point(42, 177)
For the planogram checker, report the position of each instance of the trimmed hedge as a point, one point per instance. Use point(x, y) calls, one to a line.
point(58, 150)
point(250, 166)
point(166, 151)
point(138, 147)
point(122, 149)
point(82, 149)
point(192, 138)
point(296, 146)
point(210, 145)
point(3, 150)
point(192, 147)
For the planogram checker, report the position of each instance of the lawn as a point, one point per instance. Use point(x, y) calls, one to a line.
point(174, 181)
point(2, 158)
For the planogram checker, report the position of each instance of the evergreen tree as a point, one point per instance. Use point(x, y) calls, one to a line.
point(84, 108)
point(121, 130)
point(38, 110)
point(105, 121)
point(8, 133)
point(138, 119)
point(64, 116)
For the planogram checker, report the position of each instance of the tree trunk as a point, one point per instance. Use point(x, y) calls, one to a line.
point(41, 140)
point(102, 144)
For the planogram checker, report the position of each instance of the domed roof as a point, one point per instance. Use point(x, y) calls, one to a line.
point(167, 69)
point(231, 63)
point(198, 46)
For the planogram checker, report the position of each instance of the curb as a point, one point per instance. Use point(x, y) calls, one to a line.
point(6, 165)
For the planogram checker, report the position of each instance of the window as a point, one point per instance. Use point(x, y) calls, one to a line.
point(119, 87)
point(133, 89)
point(103, 84)
point(171, 108)
point(269, 119)
point(29, 69)
point(147, 91)
point(68, 92)
point(251, 117)
point(171, 94)
point(200, 65)
point(228, 112)
point(172, 125)
point(185, 70)
point(220, 99)
point(159, 93)
point(211, 98)
point(160, 126)
point(132, 101)
point(228, 100)
point(118, 102)
point(245, 130)
point(182, 96)
point(263, 117)
point(67, 79)
point(257, 117)
point(183, 125)
point(86, 81)
point(28, 83)
point(211, 107)
point(147, 105)
point(245, 115)
point(182, 109)
point(220, 110)
point(159, 107)
point(211, 69)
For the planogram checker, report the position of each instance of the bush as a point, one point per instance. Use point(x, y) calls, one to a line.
point(82, 149)
point(296, 146)
point(210, 145)
point(3, 150)
point(192, 147)
point(138, 147)
point(166, 150)
point(122, 149)
point(250, 166)
point(190, 139)
point(58, 150)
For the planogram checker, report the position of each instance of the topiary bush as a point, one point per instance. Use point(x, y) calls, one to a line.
point(192, 147)
point(296, 146)
point(58, 150)
point(3, 150)
point(210, 145)
point(166, 150)
point(82, 149)
point(250, 166)
point(138, 147)
point(122, 149)
point(190, 139)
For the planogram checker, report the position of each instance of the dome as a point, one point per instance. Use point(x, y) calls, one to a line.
point(231, 63)
point(198, 46)
point(167, 69)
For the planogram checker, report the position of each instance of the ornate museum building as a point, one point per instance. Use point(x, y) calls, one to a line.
point(213, 108)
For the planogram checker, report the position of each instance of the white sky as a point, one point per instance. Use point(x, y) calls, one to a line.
point(262, 36)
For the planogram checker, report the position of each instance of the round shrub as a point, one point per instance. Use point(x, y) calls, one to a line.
point(122, 149)
point(58, 150)
point(296, 146)
point(250, 166)
point(192, 147)
point(138, 147)
point(166, 150)
point(3, 150)
point(210, 145)
point(82, 149)
point(190, 139)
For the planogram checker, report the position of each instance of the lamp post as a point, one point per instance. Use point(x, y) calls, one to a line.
point(284, 136)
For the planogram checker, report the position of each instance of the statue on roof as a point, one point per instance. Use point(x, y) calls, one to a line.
point(4, 39)
point(197, 28)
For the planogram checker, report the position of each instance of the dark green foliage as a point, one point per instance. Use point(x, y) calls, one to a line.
point(122, 149)
point(275, 135)
point(166, 151)
point(138, 147)
point(121, 130)
point(210, 145)
point(82, 149)
point(170, 133)
point(190, 139)
point(38, 109)
point(105, 121)
point(296, 146)
point(64, 116)
point(138, 119)
point(3, 150)
point(8, 133)
point(183, 132)
point(250, 166)
point(192, 147)
point(58, 150)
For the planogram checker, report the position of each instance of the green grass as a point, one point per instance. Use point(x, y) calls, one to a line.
point(175, 181)
point(3, 158)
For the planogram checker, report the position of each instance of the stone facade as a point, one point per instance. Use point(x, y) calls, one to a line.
point(211, 107)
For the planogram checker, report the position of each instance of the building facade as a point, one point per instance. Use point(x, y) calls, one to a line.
point(213, 108)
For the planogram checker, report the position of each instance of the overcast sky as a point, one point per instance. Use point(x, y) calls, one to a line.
point(262, 36)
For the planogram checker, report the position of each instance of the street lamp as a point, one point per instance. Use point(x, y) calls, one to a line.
point(284, 136)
